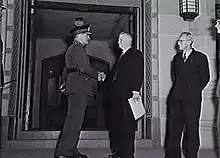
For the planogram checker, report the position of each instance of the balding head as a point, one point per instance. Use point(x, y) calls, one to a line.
point(125, 40)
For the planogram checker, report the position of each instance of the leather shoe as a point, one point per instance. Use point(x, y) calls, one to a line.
point(63, 157)
point(127, 156)
point(113, 156)
point(82, 156)
point(78, 156)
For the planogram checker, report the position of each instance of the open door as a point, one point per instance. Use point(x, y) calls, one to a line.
point(53, 103)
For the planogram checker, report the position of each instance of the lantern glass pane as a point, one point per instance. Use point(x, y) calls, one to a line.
point(191, 10)
point(191, 3)
point(191, 6)
point(188, 6)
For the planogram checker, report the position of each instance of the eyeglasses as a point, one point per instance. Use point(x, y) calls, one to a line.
point(180, 41)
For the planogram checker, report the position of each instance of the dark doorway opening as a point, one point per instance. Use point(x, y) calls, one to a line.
point(52, 24)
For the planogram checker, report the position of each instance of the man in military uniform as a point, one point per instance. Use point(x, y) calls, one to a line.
point(80, 85)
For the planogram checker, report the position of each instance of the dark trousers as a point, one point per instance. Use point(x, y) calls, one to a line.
point(69, 137)
point(183, 114)
point(122, 128)
point(122, 143)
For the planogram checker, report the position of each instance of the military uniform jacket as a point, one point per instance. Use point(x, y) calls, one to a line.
point(190, 77)
point(84, 81)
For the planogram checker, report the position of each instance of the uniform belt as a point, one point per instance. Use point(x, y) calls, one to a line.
point(70, 70)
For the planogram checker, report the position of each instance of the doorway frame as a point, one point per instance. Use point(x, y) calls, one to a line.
point(144, 125)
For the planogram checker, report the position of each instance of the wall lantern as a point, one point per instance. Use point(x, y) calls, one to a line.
point(189, 9)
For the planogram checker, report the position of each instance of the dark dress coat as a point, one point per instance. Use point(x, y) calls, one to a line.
point(129, 74)
point(191, 77)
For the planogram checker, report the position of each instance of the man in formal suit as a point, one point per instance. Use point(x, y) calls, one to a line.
point(191, 75)
point(126, 83)
point(80, 84)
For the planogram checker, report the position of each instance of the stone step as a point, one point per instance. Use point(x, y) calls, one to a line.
point(36, 144)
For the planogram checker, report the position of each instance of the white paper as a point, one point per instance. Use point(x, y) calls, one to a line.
point(137, 107)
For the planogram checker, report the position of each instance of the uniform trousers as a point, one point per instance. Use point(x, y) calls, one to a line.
point(183, 114)
point(69, 137)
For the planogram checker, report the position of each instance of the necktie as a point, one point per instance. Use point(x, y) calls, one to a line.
point(184, 57)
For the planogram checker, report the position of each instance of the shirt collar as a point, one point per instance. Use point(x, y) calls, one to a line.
point(187, 53)
point(125, 50)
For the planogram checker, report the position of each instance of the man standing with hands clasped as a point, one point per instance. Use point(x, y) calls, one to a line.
point(191, 75)
point(127, 80)
point(80, 84)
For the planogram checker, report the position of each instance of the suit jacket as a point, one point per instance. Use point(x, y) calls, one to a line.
point(78, 82)
point(129, 73)
point(190, 77)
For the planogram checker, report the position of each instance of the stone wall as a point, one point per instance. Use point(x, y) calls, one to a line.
point(6, 33)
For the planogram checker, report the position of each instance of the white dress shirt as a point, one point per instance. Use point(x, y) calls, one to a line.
point(186, 53)
point(125, 50)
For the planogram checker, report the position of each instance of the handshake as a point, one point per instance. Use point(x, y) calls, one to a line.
point(101, 76)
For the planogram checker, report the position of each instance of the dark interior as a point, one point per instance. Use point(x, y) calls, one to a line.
point(54, 21)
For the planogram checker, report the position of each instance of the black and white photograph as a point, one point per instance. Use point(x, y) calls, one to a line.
point(110, 78)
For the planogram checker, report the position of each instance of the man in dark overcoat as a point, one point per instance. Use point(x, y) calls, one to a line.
point(191, 75)
point(80, 85)
point(126, 83)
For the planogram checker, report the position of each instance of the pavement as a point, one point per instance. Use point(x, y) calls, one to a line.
point(94, 153)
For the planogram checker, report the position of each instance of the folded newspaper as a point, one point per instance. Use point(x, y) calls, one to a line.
point(137, 107)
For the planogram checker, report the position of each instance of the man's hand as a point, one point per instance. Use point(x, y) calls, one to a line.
point(101, 76)
point(136, 96)
point(63, 87)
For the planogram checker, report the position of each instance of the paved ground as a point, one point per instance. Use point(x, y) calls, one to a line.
point(93, 153)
